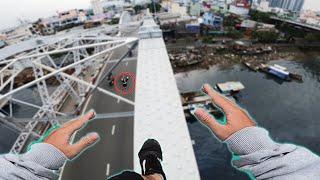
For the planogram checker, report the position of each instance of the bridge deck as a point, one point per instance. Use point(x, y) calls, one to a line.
point(159, 113)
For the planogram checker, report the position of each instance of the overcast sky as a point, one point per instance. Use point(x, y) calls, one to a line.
point(11, 10)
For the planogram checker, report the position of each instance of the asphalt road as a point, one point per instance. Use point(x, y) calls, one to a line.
point(114, 152)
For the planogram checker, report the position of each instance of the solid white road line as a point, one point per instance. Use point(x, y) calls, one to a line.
point(118, 101)
point(113, 129)
point(108, 169)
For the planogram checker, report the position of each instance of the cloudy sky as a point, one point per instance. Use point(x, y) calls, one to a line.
point(312, 4)
point(12, 10)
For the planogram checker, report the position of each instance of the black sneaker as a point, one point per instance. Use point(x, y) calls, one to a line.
point(150, 155)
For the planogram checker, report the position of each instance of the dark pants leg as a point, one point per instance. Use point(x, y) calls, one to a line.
point(127, 175)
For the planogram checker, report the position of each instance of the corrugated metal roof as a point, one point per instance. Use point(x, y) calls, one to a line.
point(33, 43)
point(27, 45)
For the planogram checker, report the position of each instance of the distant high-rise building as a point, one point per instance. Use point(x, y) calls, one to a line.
point(298, 5)
point(97, 7)
point(263, 5)
point(291, 5)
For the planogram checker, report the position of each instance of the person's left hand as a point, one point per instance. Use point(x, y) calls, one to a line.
point(60, 138)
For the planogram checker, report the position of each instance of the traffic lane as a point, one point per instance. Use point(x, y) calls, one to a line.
point(119, 145)
point(103, 103)
point(118, 152)
point(115, 148)
point(117, 53)
point(125, 66)
point(120, 156)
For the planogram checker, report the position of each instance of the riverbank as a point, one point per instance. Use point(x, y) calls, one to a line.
point(226, 56)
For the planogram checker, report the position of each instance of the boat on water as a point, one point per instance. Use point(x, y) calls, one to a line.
point(279, 71)
point(251, 67)
point(229, 88)
point(284, 73)
point(193, 100)
point(276, 70)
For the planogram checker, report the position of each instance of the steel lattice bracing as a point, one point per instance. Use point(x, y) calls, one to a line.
point(74, 61)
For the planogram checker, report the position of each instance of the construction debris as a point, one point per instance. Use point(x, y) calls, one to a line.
point(185, 57)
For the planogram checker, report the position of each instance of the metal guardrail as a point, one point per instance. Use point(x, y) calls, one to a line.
point(105, 116)
point(297, 23)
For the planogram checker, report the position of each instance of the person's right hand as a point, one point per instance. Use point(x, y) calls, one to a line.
point(237, 118)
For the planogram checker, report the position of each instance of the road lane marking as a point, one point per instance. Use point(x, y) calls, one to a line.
point(124, 60)
point(118, 101)
point(126, 63)
point(113, 129)
point(108, 169)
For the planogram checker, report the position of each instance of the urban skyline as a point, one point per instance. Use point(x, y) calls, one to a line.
point(292, 5)
point(34, 9)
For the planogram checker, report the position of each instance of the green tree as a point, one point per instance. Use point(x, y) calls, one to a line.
point(290, 31)
point(312, 37)
point(151, 7)
point(114, 21)
point(207, 39)
point(261, 16)
point(138, 8)
point(233, 33)
point(266, 36)
point(231, 20)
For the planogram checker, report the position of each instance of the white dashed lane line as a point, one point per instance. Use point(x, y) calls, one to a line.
point(113, 129)
point(108, 169)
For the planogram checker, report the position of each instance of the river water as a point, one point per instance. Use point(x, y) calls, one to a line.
point(289, 110)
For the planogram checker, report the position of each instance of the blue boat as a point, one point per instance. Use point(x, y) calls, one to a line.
point(279, 72)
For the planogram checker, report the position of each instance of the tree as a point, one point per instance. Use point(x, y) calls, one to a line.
point(207, 39)
point(233, 33)
point(261, 16)
point(270, 36)
point(151, 7)
point(114, 21)
point(290, 31)
point(312, 37)
point(231, 21)
point(138, 8)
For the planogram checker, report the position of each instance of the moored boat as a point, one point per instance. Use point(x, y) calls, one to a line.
point(230, 87)
point(279, 72)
